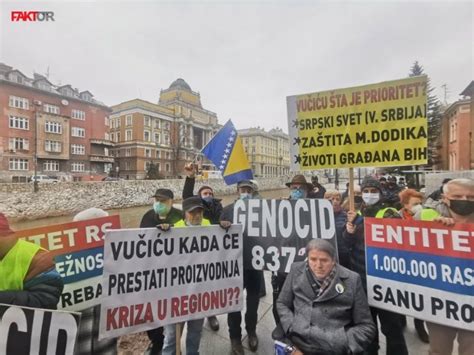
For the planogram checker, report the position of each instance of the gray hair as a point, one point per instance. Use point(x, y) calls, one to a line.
point(322, 245)
point(467, 183)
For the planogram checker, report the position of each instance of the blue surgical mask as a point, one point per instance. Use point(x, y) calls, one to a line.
point(245, 196)
point(297, 194)
point(161, 208)
point(208, 199)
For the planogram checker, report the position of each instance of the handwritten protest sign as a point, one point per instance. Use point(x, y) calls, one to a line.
point(78, 253)
point(375, 125)
point(153, 278)
point(421, 269)
point(276, 231)
point(26, 330)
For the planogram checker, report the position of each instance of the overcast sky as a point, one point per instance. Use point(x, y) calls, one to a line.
point(244, 57)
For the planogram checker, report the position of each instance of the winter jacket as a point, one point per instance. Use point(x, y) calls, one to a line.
point(212, 210)
point(338, 322)
point(356, 241)
point(151, 219)
point(42, 285)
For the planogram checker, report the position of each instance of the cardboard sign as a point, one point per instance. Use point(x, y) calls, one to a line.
point(421, 269)
point(25, 331)
point(153, 278)
point(276, 231)
point(78, 253)
point(375, 125)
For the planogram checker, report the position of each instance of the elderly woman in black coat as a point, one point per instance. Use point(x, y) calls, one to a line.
point(323, 307)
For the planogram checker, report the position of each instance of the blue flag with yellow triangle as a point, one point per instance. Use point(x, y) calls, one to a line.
point(227, 153)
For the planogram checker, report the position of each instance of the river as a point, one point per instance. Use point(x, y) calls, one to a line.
point(129, 217)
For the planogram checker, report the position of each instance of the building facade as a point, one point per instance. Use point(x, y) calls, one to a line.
point(168, 134)
point(58, 130)
point(268, 152)
point(455, 145)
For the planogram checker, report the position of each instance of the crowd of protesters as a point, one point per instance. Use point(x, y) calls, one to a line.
point(319, 307)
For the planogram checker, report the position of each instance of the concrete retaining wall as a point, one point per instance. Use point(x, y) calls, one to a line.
point(18, 201)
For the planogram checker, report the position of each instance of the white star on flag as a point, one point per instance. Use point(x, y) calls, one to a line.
point(232, 133)
point(227, 150)
point(231, 139)
point(225, 156)
point(229, 145)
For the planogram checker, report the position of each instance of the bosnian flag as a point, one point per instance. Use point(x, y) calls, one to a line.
point(227, 153)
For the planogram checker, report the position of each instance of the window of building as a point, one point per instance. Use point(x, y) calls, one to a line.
point(158, 166)
point(81, 115)
point(157, 138)
point(167, 167)
point(128, 120)
point(128, 152)
point(147, 153)
point(19, 102)
point(128, 135)
point(147, 165)
point(146, 136)
point(52, 146)
point(18, 144)
point(51, 109)
point(166, 139)
point(118, 137)
point(77, 167)
point(78, 149)
point(168, 155)
point(146, 121)
point(157, 124)
point(53, 127)
point(117, 122)
point(158, 154)
point(78, 132)
point(17, 164)
point(128, 165)
point(51, 165)
point(18, 122)
point(166, 125)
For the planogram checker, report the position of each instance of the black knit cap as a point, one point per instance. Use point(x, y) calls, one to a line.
point(369, 181)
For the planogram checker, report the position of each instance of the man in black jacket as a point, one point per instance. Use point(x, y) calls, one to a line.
point(374, 206)
point(162, 215)
point(252, 283)
point(212, 212)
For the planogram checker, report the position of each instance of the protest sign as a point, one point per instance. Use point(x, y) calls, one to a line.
point(78, 253)
point(375, 125)
point(421, 269)
point(153, 278)
point(26, 331)
point(276, 231)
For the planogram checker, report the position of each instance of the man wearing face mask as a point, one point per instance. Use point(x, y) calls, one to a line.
point(163, 215)
point(411, 201)
point(374, 206)
point(252, 283)
point(299, 188)
point(212, 211)
point(193, 216)
point(457, 207)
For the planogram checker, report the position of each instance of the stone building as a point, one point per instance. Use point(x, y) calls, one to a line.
point(268, 152)
point(168, 134)
point(59, 130)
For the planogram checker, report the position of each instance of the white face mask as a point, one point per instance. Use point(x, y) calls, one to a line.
point(416, 209)
point(371, 198)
